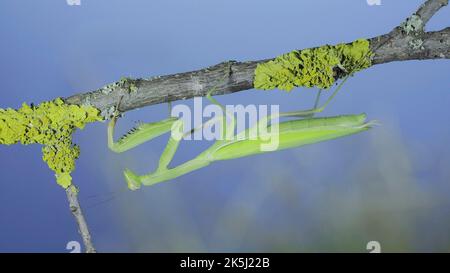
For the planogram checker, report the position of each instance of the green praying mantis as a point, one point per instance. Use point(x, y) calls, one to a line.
point(303, 129)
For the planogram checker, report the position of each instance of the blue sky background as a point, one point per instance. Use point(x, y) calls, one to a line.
point(390, 184)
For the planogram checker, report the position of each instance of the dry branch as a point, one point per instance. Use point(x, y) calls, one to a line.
point(393, 46)
point(75, 208)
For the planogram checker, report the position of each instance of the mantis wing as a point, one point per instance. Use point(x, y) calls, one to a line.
point(291, 134)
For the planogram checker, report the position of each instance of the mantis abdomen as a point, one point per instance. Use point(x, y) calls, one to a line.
point(294, 133)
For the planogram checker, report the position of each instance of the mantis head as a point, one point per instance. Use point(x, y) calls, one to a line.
point(133, 180)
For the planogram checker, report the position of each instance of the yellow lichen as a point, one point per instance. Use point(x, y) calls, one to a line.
point(52, 125)
point(312, 67)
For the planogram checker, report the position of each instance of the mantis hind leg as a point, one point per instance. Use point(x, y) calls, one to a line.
point(227, 131)
point(263, 122)
point(214, 120)
point(311, 112)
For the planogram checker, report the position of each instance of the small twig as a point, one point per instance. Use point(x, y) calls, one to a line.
point(72, 196)
point(429, 8)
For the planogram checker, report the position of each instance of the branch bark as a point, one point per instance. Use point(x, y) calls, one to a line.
point(393, 46)
point(75, 208)
point(429, 8)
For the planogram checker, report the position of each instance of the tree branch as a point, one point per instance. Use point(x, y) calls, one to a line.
point(393, 46)
point(430, 45)
point(75, 208)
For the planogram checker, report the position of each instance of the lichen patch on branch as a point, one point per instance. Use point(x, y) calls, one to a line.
point(128, 84)
point(412, 24)
point(312, 67)
point(52, 125)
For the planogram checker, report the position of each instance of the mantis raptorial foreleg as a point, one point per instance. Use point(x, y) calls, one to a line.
point(142, 133)
point(138, 135)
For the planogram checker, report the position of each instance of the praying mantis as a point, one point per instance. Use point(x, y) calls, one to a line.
point(302, 130)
